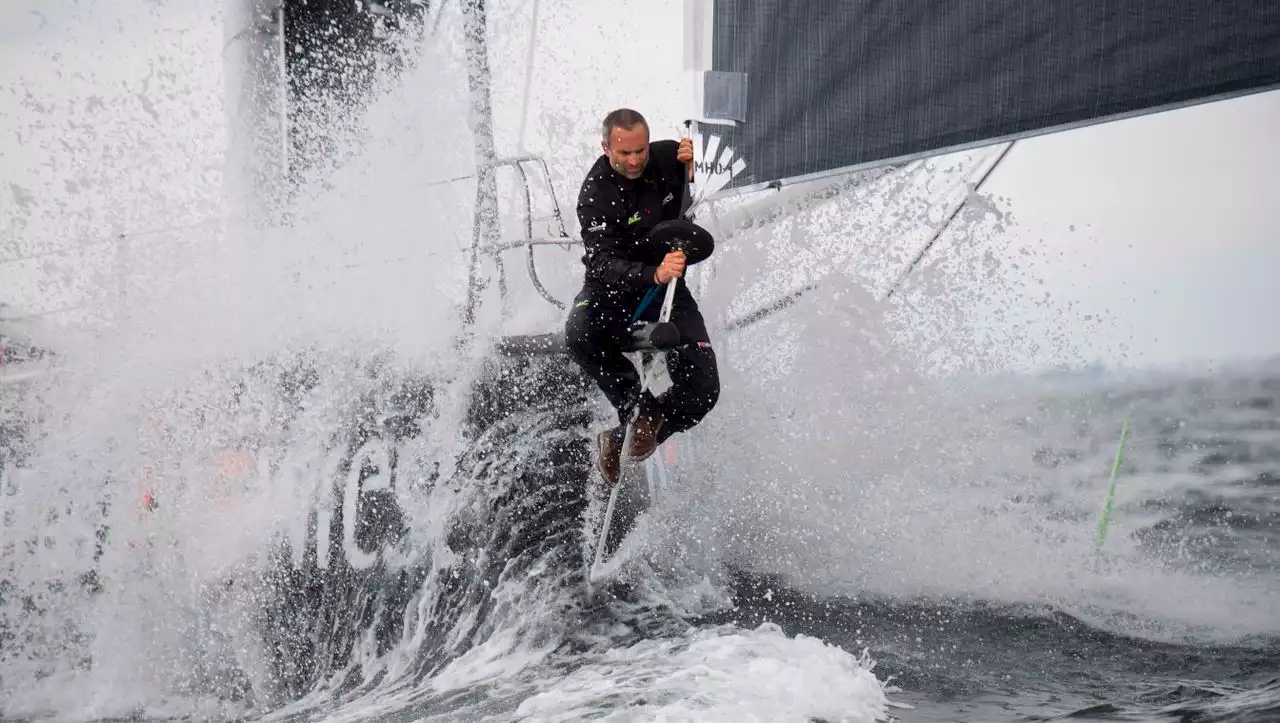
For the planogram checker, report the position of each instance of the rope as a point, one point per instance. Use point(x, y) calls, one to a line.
point(649, 296)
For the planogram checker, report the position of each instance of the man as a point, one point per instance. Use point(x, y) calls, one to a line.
point(629, 209)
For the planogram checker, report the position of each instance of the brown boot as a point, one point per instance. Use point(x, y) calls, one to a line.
point(608, 450)
point(644, 438)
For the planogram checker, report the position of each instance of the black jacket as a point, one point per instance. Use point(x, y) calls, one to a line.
point(617, 214)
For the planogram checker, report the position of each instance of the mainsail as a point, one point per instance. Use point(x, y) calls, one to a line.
point(804, 89)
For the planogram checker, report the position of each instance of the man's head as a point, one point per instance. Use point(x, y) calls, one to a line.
point(625, 140)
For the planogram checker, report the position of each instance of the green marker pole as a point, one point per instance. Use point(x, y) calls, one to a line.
point(1111, 493)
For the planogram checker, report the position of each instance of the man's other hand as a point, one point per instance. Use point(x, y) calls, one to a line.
point(685, 154)
point(672, 267)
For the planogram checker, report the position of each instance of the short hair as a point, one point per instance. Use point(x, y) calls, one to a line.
point(623, 118)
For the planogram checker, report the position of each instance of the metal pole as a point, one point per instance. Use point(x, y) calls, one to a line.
point(485, 227)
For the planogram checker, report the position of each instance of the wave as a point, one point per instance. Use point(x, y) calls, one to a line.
point(368, 540)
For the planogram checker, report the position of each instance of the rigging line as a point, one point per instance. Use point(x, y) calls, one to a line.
point(945, 224)
point(528, 77)
point(767, 310)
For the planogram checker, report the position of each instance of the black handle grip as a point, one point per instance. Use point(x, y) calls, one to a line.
point(653, 336)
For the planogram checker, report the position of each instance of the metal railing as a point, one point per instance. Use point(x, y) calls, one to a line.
point(529, 241)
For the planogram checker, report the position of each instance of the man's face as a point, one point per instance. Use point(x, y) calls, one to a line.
point(628, 150)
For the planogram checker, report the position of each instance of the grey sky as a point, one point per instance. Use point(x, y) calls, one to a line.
point(1177, 228)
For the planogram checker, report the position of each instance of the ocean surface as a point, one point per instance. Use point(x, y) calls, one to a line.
point(455, 592)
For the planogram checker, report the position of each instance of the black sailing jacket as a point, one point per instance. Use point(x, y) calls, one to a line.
point(617, 214)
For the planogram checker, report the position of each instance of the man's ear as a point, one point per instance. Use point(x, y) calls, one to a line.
point(604, 147)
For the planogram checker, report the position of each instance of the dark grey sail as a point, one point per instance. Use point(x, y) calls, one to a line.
point(833, 85)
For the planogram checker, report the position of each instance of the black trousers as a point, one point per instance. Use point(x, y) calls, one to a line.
point(595, 333)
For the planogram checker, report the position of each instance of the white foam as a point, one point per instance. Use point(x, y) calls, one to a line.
point(845, 469)
point(717, 674)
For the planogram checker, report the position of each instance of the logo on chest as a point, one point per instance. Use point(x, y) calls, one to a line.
point(635, 218)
